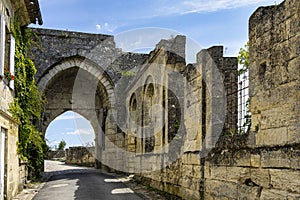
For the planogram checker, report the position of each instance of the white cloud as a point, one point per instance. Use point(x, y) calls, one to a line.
point(80, 132)
point(106, 27)
point(109, 28)
point(98, 26)
point(68, 116)
point(196, 6)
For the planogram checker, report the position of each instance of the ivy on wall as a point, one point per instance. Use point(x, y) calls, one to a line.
point(28, 103)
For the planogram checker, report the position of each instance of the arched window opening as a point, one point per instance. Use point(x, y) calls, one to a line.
point(72, 128)
point(149, 138)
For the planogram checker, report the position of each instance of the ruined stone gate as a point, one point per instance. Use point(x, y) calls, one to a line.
point(78, 72)
point(170, 122)
point(87, 74)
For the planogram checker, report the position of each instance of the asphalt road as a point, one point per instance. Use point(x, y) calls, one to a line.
point(86, 184)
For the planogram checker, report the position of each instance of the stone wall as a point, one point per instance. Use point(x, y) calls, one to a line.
point(54, 46)
point(56, 154)
point(74, 66)
point(175, 125)
point(267, 165)
point(82, 156)
point(23, 173)
point(9, 127)
point(191, 93)
point(274, 74)
point(261, 164)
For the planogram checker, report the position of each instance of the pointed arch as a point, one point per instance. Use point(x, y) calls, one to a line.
point(83, 64)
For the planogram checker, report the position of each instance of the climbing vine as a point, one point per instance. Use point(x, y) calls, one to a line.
point(243, 59)
point(28, 103)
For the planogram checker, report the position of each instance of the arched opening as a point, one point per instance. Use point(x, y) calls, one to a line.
point(71, 138)
point(148, 101)
point(72, 128)
point(80, 86)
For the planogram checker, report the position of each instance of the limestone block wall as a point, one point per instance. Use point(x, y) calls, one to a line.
point(11, 157)
point(82, 156)
point(174, 164)
point(266, 165)
point(56, 154)
point(12, 167)
point(140, 97)
point(274, 40)
point(23, 172)
point(6, 96)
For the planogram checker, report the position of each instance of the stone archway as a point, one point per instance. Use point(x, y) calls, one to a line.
point(77, 84)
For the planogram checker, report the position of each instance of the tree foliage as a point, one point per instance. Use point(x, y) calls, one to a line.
point(62, 145)
point(28, 103)
point(243, 58)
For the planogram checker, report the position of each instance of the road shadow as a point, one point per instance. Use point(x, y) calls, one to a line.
point(84, 184)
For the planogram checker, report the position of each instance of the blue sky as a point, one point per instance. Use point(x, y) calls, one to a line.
point(72, 128)
point(206, 22)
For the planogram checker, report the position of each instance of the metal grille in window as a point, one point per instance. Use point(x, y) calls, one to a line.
point(244, 115)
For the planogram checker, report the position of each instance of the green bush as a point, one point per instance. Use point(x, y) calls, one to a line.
point(28, 103)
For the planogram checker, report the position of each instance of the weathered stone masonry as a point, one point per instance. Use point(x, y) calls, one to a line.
point(82, 156)
point(78, 71)
point(265, 163)
point(262, 164)
point(174, 163)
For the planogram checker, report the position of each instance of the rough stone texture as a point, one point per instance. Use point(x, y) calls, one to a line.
point(274, 74)
point(78, 72)
point(265, 169)
point(11, 158)
point(54, 46)
point(159, 115)
point(23, 172)
point(173, 165)
point(56, 154)
point(82, 156)
point(271, 164)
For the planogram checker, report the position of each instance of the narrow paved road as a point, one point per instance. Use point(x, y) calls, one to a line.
point(68, 183)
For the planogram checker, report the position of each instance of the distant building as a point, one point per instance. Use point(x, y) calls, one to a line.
point(26, 12)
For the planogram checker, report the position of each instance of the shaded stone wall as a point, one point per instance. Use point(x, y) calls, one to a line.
point(54, 46)
point(23, 173)
point(82, 156)
point(56, 154)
